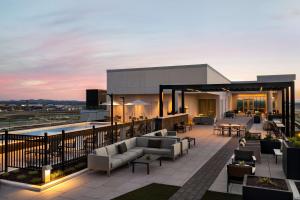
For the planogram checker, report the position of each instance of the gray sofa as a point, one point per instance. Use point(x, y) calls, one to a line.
point(170, 134)
point(163, 133)
point(108, 158)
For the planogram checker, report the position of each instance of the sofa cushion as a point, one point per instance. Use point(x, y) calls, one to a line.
point(130, 143)
point(116, 162)
point(142, 142)
point(101, 151)
point(167, 143)
point(131, 156)
point(164, 132)
point(162, 152)
point(112, 149)
point(154, 143)
point(122, 148)
point(138, 150)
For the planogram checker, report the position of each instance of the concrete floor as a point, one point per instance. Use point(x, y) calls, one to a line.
point(96, 185)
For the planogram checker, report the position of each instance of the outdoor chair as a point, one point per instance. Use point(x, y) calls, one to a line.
point(243, 156)
point(217, 130)
point(180, 127)
point(236, 173)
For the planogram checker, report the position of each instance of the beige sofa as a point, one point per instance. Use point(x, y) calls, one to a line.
point(108, 158)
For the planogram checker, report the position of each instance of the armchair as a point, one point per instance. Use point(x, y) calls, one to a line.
point(245, 156)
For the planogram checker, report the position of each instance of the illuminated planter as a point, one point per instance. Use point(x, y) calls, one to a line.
point(46, 172)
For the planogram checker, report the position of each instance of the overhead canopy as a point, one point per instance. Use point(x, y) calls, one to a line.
point(287, 89)
point(235, 86)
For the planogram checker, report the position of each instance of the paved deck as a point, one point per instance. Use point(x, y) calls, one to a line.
point(95, 185)
point(196, 187)
point(267, 167)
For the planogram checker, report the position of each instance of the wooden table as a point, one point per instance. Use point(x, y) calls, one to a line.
point(190, 140)
point(147, 159)
point(229, 126)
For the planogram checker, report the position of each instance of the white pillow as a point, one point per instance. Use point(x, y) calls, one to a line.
point(101, 151)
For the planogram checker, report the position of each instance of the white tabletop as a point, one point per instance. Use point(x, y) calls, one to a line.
point(277, 152)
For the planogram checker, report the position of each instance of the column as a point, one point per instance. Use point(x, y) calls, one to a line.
point(287, 112)
point(269, 102)
point(173, 102)
point(161, 108)
point(182, 102)
point(293, 109)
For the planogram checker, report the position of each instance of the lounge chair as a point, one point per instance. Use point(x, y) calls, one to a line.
point(244, 156)
point(236, 173)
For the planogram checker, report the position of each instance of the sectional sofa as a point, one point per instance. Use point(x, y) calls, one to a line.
point(109, 158)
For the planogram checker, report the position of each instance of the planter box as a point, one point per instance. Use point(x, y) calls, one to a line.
point(256, 192)
point(291, 161)
point(267, 146)
point(295, 190)
point(256, 119)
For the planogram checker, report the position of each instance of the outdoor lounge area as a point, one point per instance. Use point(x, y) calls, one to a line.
point(187, 170)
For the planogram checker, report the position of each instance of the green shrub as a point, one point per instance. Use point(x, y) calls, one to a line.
point(15, 171)
point(56, 174)
point(69, 170)
point(80, 165)
point(36, 180)
point(21, 177)
point(295, 141)
point(33, 173)
point(5, 174)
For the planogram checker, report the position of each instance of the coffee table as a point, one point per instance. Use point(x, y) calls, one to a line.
point(146, 159)
point(190, 140)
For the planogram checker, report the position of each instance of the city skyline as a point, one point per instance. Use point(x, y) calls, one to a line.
point(57, 50)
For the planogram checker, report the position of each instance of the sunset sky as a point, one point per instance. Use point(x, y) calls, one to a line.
point(56, 49)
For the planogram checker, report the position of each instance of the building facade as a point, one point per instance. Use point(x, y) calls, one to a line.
point(142, 85)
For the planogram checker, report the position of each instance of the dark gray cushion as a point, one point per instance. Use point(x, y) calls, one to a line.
point(154, 143)
point(122, 148)
point(158, 134)
point(243, 155)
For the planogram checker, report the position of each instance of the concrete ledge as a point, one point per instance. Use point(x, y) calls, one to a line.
point(39, 188)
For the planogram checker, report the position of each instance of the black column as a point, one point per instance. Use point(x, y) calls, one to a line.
point(283, 106)
point(182, 102)
point(112, 117)
point(161, 105)
point(173, 102)
point(293, 109)
point(287, 111)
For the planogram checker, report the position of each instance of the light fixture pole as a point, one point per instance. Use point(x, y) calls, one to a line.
point(123, 104)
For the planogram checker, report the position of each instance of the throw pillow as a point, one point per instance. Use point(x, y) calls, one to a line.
point(154, 143)
point(158, 134)
point(122, 148)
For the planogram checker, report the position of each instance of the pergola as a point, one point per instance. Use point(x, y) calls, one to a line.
point(287, 89)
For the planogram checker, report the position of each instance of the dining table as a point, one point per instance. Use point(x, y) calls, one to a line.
point(228, 126)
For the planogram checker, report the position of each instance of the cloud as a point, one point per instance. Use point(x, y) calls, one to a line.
point(33, 83)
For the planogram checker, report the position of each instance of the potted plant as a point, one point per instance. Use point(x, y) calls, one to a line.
point(268, 144)
point(256, 187)
point(291, 157)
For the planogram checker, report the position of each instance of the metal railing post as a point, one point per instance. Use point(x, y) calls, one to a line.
point(63, 136)
point(94, 137)
point(45, 148)
point(6, 151)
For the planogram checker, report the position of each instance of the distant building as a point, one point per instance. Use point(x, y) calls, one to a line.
point(94, 110)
